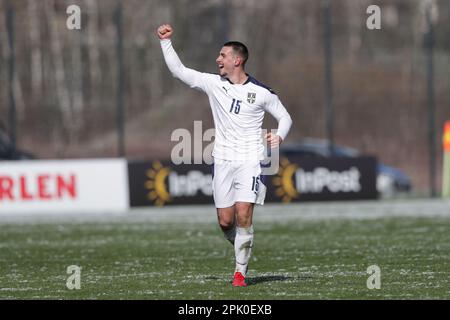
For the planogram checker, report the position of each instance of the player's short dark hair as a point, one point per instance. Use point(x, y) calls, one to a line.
point(239, 48)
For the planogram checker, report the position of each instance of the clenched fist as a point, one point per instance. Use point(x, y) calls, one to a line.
point(273, 139)
point(164, 31)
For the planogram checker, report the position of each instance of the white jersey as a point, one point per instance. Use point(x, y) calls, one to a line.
point(238, 109)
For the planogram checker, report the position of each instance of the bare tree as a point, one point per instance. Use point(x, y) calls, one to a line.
point(62, 93)
point(36, 53)
point(93, 45)
point(77, 83)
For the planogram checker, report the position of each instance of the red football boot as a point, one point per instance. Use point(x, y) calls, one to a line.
point(239, 280)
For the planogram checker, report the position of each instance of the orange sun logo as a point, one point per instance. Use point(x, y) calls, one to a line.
point(156, 184)
point(284, 181)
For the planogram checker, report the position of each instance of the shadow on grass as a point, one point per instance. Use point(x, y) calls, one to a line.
point(272, 278)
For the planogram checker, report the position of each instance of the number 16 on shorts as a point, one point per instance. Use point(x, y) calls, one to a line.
point(255, 184)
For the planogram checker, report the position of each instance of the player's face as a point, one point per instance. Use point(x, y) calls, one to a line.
point(226, 61)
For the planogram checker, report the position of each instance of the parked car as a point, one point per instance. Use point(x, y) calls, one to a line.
point(390, 180)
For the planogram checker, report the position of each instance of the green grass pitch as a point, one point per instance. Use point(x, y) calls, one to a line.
point(308, 251)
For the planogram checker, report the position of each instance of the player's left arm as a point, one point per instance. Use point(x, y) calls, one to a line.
point(278, 111)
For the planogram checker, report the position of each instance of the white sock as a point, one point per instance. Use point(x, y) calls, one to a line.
point(243, 245)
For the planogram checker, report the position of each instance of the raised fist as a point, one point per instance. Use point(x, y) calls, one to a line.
point(164, 31)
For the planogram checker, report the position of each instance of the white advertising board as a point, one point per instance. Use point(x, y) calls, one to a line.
point(61, 186)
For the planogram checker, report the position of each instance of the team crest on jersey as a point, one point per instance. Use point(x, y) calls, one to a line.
point(251, 97)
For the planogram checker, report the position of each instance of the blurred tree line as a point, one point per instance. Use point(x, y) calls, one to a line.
point(65, 84)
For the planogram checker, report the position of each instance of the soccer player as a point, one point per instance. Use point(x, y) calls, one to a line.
point(238, 103)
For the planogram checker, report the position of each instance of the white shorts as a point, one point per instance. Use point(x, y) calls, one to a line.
point(237, 181)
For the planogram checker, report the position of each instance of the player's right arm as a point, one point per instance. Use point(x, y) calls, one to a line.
point(192, 78)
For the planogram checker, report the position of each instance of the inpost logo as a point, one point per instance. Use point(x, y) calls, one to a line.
point(165, 185)
point(292, 181)
point(156, 184)
point(284, 181)
point(322, 179)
